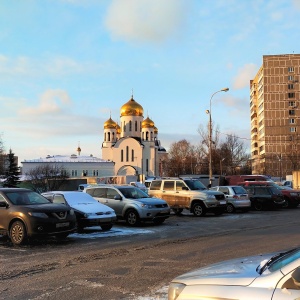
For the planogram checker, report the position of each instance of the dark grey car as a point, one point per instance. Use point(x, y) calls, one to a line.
point(24, 214)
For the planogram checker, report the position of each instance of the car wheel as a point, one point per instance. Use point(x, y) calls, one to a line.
point(177, 211)
point(17, 233)
point(106, 227)
point(230, 208)
point(258, 206)
point(198, 210)
point(61, 236)
point(132, 218)
point(286, 203)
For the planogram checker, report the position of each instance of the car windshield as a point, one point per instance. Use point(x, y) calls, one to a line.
point(195, 184)
point(26, 198)
point(79, 198)
point(280, 260)
point(133, 193)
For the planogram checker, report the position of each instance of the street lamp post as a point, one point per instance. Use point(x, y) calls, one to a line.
point(210, 135)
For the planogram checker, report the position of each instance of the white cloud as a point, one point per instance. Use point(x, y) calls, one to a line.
point(50, 102)
point(245, 74)
point(296, 3)
point(145, 21)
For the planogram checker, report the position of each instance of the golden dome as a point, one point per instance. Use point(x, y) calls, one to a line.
point(148, 123)
point(132, 108)
point(155, 130)
point(110, 124)
point(118, 129)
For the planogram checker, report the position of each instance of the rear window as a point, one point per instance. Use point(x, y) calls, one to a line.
point(155, 185)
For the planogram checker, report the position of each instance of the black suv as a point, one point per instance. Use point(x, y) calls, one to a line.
point(24, 214)
point(264, 197)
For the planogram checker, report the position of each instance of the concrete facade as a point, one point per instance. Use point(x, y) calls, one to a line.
point(275, 116)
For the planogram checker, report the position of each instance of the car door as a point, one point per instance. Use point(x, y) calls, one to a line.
point(182, 194)
point(116, 204)
point(3, 213)
point(168, 192)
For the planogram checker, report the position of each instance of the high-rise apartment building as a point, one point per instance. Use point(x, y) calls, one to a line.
point(275, 116)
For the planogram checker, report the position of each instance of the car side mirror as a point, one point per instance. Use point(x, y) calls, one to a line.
point(296, 277)
point(117, 197)
point(3, 204)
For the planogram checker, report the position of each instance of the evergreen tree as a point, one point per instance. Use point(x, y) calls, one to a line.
point(2, 157)
point(12, 172)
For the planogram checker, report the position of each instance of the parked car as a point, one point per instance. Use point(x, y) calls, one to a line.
point(25, 214)
point(236, 197)
point(188, 194)
point(265, 197)
point(291, 197)
point(274, 276)
point(130, 203)
point(89, 212)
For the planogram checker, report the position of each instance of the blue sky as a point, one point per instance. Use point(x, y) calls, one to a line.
point(67, 65)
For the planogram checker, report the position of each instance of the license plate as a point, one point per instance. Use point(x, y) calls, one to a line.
point(59, 225)
point(222, 202)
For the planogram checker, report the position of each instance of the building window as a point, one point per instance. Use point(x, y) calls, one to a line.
point(135, 125)
point(291, 95)
point(95, 172)
point(74, 173)
point(290, 69)
point(291, 77)
point(130, 126)
point(122, 155)
point(261, 148)
point(292, 121)
point(291, 112)
point(291, 86)
point(147, 165)
point(127, 153)
point(293, 129)
point(132, 155)
point(292, 103)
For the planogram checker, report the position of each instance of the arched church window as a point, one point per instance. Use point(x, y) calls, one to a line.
point(108, 136)
point(147, 136)
point(122, 155)
point(135, 125)
point(127, 153)
point(113, 136)
point(105, 137)
point(132, 155)
point(130, 126)
point(124, 126)
point(151, 136)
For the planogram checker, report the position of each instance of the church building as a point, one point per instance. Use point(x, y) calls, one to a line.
point(133, 145)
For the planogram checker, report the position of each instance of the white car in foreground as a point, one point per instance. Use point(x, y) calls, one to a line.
point(273, 276)
point(89, 212)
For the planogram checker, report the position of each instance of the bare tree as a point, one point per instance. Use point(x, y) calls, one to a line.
point(47, 177)
point(234, 157)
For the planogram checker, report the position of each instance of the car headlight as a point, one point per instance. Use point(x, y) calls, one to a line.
point(37, 214)
point(147, 205)
point(175, 290)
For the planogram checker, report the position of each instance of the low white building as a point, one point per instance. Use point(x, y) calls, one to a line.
point(76, 166)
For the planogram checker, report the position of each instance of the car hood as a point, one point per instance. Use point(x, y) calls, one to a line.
point(46, 207)
point(92, 207)
point(240, 272)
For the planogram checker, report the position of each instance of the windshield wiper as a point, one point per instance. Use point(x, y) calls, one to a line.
point(272, 260)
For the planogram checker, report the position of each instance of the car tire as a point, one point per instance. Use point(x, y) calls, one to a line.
point(177, 211)
point(230, 208)
point(258, 206)
point(132, 217)
point(198, 210)
point(17, 233)
point(106, 227)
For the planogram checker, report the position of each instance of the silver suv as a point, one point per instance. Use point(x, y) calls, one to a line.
point(130, 203)
point(188, 194)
